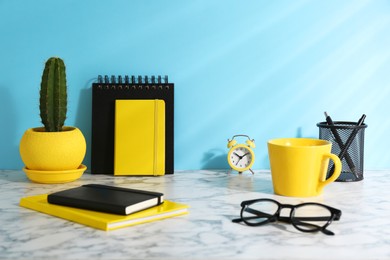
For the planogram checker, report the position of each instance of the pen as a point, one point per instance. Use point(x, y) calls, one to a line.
point(340, 143)
point(349, 141)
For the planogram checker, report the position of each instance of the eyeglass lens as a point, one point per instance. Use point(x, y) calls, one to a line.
point(259, 212)
point(310, 217)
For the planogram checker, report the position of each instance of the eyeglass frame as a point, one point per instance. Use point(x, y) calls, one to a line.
point(335, 215)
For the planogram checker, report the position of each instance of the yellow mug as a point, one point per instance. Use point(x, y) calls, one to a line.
point(299, 166)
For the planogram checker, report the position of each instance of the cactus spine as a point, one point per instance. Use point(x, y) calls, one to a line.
point(53, 95)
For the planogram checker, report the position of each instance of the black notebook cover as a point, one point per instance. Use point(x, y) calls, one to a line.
point(104, 94)
point(122, 201)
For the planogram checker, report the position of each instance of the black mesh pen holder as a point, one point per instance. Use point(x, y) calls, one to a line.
point(347, 140)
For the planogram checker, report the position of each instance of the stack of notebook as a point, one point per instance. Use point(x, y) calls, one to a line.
point(132, 126)
point(105, 207)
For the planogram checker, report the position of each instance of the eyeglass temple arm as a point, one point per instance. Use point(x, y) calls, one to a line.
point(312, 218)
point(298, 221)
point(288, 219)
point(237, 220)
point(259, 214)
point(322, 229)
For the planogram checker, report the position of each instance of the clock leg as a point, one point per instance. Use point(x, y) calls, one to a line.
point(251, 171)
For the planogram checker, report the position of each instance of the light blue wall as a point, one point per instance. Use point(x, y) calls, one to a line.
point(263, 68)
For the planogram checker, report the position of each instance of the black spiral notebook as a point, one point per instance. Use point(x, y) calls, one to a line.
point(104, 94)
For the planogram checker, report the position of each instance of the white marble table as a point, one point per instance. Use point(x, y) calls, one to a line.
point(207, 232)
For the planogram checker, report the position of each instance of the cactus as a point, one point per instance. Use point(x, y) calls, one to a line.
point(53, 95)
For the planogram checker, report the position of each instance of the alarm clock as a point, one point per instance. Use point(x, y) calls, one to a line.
point(241, 156)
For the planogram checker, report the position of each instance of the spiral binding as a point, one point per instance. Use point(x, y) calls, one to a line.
point(133, 82)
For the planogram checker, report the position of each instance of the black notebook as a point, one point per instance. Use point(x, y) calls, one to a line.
point(104, 94)
point(108, 199)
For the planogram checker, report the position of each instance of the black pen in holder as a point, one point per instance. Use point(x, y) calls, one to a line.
point(347, 140)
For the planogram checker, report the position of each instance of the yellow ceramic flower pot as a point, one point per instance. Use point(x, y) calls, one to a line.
point(52, 151)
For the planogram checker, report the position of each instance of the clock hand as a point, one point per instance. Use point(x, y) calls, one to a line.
point(236, 154)
point(240, 157)
point(238, 161)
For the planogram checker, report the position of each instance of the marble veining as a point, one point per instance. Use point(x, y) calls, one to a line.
point(206, 232)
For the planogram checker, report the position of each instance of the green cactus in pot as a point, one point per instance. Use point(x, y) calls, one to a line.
point(53, 153)
point(53, 95)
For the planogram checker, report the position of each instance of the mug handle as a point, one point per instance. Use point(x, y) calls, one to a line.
point(336, 173)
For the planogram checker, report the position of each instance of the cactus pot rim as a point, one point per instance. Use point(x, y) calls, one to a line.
point(41, 129)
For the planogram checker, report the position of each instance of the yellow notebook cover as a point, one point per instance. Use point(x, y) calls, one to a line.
point(101, 220)
point(139, 146)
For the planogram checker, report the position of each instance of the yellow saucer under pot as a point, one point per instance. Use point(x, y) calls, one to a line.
point(55, 176)
point(55, 153)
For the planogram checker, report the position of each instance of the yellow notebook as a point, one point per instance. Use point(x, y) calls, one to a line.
point(101, 220)
point(139, 146)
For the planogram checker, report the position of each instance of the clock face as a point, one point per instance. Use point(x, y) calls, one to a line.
point(241, 158)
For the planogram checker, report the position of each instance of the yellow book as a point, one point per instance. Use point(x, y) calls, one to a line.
point(101, 220)
point(139, 146)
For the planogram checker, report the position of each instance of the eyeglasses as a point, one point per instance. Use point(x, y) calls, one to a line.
point(306, 217)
